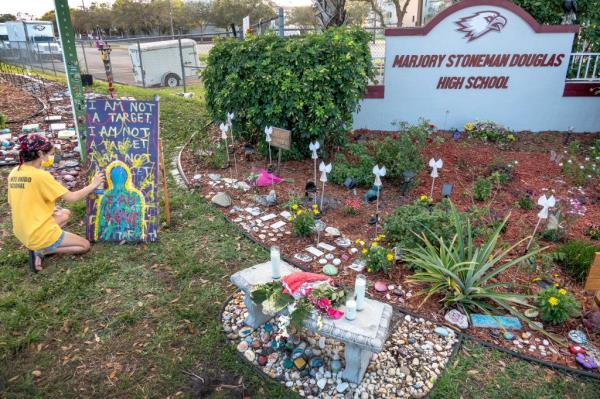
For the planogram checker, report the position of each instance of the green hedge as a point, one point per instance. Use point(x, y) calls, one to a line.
point(309, 84)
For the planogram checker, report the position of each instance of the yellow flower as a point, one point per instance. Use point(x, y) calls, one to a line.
point(364, 251)
point(562, 291)
point(299, 212)
point(374, 245)
point(291, 219)
point(315, 206)
point(294, 207)
point(511, 137)
point(390, 257)
point(424, 197)
point(316, 211)
point(369, 270)
point(357, 241)
point(553, 301)
point(535, 280)
point(556, 284)
point(377, 239)
point(469, 126)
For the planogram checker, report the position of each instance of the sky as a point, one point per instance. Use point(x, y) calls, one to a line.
point(39, 7)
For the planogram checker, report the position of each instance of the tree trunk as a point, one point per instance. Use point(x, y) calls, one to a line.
point(400, 10)
point(331, 12)
point(378, 12)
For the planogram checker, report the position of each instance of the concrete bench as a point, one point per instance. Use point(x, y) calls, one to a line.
point(362, 336)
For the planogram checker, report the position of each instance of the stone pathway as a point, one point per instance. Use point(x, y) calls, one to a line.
point(412, 359)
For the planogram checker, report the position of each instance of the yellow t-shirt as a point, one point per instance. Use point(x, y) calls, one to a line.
point(32, 194)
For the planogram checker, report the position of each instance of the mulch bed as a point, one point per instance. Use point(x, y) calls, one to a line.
point(464, 161)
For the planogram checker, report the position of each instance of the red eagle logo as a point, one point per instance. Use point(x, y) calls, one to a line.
point(480, 23)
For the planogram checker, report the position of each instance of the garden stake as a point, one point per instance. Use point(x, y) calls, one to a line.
point(324, 170)
point(379, 173)
point(224, 128)
point(268, 132)
point(546, 204)
point(229, 119)
point(434, 165)
point(314, 147)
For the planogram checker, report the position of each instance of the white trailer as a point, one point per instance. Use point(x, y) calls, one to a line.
point(36, 37)
point(160, 62)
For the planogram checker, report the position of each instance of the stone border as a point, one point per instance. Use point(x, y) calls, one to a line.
point(462, 335)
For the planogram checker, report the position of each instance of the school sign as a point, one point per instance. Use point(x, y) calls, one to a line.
point(481, 59)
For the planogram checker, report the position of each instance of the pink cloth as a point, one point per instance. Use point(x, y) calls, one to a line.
point(294, 281)
point(266, 179)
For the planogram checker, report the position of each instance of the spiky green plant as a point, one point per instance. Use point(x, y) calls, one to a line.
point(463, 271)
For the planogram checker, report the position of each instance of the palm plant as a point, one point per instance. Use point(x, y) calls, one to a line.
point(463, 271)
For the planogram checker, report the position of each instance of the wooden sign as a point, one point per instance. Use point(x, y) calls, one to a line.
point(593, 279)
point(122, 141)
point(281, 138)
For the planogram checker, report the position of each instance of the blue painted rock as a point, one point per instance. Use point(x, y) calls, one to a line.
point(336, 364)
point(441, 331)
point(578, 337)
point(268, 327)
point(245, 331)
point(316, 362)
point(296, 353)
point(287, 364)
point(508, 336)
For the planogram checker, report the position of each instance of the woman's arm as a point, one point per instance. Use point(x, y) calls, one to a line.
point(74, 196)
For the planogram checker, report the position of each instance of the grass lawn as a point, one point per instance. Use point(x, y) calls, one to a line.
point(135, 321)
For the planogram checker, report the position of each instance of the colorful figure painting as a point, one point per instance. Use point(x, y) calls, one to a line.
point(122, 141)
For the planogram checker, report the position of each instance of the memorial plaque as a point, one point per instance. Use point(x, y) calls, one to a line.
point(281, 138)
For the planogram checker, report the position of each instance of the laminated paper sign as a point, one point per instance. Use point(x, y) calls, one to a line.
point(122, 142)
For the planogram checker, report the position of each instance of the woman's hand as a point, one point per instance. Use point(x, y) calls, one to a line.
point(97, 180)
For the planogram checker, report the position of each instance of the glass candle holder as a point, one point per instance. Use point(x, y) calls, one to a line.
point(350, 309)
point(275, 261)
point(360, 287)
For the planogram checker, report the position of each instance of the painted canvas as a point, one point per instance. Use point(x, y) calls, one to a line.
point(122, 142)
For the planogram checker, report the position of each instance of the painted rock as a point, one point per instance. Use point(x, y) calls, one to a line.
point(336, 364)
point(330, 270)
point(245, 331)
point(322, 261)
point(336, 262)
point(272, 358)
point(296, 353)
point(332, 231)
point(457, 318)
point(268, 327)
point(221, 199)
point(578, 337)
point(441, 331)
point(321, 383)
point(242, 346)
point(262, 360)
point(380, 286)
point(250, 355)
point(287, 364)
point(342, 242)
point(300, 363)
point(508, 336)
point(341, 388)
point(531, 313)
point(586, 361)
point(575, 349)
point(256, 344)
point(316, 362)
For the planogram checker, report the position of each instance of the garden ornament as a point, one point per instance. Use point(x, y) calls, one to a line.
point(546, 203)
point(224, 127)
point(379, 173)
point(324, 170)
point(230, 117)
point(434, 165)
point(314, 147)
point(268, 133)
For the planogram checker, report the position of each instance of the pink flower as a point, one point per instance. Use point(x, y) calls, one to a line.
point(334, 313)
point(323, 303)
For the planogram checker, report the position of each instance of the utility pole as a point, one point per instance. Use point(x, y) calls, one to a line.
point(67, 41)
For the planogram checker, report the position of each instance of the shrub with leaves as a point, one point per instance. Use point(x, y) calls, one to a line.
point(576, 258)
point(556, 305)
point(310, 84)
point(526, 203)
point(489, 131)
point(377, 257)
point(594, 231)
point(303, 220)
point(352, 206)
point(3, 121)
point(464, 272)
point(482, 189)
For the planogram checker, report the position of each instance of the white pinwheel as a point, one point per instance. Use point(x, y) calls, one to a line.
point(314, 147)
point(268, 133)
point(546, 203)
point(230, 116)
point(224, 127)
point(379, 173)
point(324, 169)
point(435, 165)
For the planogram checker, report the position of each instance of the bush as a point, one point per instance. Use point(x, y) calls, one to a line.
point(377, 258)
point(556, 305)
point(402, 227)
point(397, 153)
point(489, 131)
point(526, 203)
point(576, 258)
point(303, 220)
point(3, 121)
point(463, 272)
point(310, 85)
point(482, 189)
point(594, 231)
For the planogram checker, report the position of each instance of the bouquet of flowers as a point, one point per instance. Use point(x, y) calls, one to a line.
point(302, 293)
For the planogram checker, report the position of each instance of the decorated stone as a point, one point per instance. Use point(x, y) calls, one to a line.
point(245, 331)
point(342, 242)
point(586, 361)
point(262, 360)
point(575, 349)
point(287, 363)
point(302, 257)
point(578, 337)
point(250, 355)
point(457, 318)
point(297, 353)
point(336, 364)
point(508, 336)
point(380, 286)
point(322, 261)
point(316, 362)
point(358, 265)
point(242, 346)
point(300, 363)
point(531, 313)
point(336, 262)
point(330, 270)
point(441, 331)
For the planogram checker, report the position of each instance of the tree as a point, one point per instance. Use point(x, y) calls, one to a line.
point(331, 12)
point(303, 18)
point(357, 12)
point(400, 6)
point(7, 17)
point(223, 13)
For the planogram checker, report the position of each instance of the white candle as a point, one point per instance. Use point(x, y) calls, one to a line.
point(359, 289)
point(350, 309)
point(275, 258)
